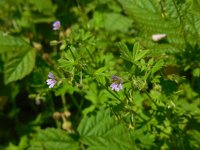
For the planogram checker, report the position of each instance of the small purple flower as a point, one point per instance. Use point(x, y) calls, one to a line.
point(52, 81)
point(116, 87)
point(56, 25)
point(117, 84)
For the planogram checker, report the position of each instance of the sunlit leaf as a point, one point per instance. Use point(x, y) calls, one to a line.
point(53, 139)
point(19, 65)
point(9, 43)
point(103, 132)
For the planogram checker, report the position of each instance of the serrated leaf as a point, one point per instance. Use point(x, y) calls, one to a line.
point(64, 63)
point(150, 19)
point(53, 139)
point(157, 66)
point(19, 65)
point(195, 7)
point(140, 55)
point(100, 70)
point(23, 144)
point(103, 132)
point(9, 43)
point(125, 53)
point(135, 49)
point(146, 139)
point(117, 22)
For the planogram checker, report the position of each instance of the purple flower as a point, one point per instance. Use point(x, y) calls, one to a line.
point(116, 87)
point(117, 84)
point(52, 81)
point(56, 25)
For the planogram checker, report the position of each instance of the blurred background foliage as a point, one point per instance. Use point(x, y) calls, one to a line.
point(158, 107)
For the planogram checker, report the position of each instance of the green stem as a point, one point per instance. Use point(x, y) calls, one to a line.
point(64, 102)
point(151, 98)
point(90, 55)
point(113, 94)
point(81, 77)
point(75, 103)
point(138, 115)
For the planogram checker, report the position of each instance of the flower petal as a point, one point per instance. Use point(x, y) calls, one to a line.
point(56, 25)
point(50, 75)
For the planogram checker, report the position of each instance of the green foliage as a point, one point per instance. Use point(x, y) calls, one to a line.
point(9, 43)
point(51, 139)
point(112, 85)
point(116, 22)
point(23, 144)
point(154, 17)
point(19, 65)
point(103, 132)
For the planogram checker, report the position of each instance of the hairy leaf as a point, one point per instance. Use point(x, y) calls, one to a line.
point(53, 139)
point(125, 53)
point(117, 22)
point(152, 19)
point(103, 132)
point(19, 65)
point(9, 43)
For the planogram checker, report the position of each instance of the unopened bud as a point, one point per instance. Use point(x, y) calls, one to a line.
point(67, 114)
point(54, 42)
point(45, 56)
point(56, 115)
point(67, 126)
point(37, 46)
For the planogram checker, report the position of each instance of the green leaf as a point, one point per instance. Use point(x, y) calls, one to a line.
point(9, 43)
point(45, 7)
point(195, 7)
point(53, 139)
point(64, 63)
point(154, 17)
point(145, 140)
point(140, 55)
point(101, 70)
point(117, 22)
point(135, 49)
point(103, 132)
point(23, 144)
point(19, 65)
point(157, 66)
point(125, 53)
point(196, 72)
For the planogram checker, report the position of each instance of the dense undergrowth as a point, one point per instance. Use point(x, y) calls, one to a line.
point(99, 75)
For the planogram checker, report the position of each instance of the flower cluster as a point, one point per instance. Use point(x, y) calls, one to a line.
point(51, 81)
point(117, 83)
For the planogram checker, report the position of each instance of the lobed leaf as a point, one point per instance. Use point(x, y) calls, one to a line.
point(125, 53)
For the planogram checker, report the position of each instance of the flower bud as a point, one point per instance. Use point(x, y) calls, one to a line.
point(54, 42)
point(56, 115)
point(67, 126)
